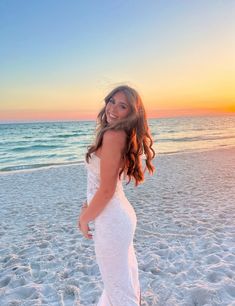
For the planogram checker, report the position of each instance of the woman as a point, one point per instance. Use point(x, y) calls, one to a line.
point(122, 138)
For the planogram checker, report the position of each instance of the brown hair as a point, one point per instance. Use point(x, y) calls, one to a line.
point(138, 139)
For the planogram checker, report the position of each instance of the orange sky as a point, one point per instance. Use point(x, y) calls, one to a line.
point(28, 116)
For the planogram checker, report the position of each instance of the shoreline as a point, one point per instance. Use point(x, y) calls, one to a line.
point(81, 163)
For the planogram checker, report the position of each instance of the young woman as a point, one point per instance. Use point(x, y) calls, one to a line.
point(122, 138)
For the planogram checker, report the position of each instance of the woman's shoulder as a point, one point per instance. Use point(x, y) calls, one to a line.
point(114, 140)
point(116, 135)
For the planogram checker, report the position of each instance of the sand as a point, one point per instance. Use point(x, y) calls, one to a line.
point(185, 237)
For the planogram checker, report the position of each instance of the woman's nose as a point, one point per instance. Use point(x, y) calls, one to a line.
point(113, 107)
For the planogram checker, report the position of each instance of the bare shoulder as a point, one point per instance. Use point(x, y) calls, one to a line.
point(112, 136)
point(113, 145)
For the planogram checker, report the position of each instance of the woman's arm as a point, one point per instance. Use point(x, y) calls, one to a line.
point(111, 153)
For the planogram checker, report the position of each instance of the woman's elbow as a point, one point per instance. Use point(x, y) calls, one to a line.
point(107, 192)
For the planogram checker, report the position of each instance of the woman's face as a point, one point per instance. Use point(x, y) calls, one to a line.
point(117, 107)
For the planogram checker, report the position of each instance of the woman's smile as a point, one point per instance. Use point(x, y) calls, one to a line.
point(112, 116)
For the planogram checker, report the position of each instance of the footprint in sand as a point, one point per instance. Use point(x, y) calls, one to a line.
point(215, 276)
point(70, 295)
point(212, 259)
point(231, 290)
point(5, 281)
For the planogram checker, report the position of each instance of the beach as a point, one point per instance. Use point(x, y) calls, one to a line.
point(184, 241)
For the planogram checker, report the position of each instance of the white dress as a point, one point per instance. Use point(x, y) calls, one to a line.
point(114, 230)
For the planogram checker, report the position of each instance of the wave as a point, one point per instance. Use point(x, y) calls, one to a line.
point(69, 135)
point(37, 147)
point(38, 156)
point(36, 166)
point(190, 139)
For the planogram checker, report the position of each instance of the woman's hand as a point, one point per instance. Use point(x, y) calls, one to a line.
point(83, 226)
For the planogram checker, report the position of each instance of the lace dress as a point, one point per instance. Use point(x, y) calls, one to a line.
point(114, 230)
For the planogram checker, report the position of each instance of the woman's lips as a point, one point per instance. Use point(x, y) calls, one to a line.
point(112, 116)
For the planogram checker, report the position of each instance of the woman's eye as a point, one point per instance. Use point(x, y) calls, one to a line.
point(111, 100)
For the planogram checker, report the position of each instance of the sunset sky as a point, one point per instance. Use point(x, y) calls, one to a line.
point(58, 59)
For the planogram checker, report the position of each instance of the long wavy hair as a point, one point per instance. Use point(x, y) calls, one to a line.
point(138, 140)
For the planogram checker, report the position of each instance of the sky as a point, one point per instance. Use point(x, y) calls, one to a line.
point(58, 59)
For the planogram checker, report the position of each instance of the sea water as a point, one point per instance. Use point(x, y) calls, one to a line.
point(42, 144)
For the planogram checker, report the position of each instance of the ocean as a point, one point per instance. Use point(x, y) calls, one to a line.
point(43, 144)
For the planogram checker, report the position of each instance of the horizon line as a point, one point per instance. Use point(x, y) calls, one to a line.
point(216, 114)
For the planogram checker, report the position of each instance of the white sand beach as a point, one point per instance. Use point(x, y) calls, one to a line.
point(185, 237)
